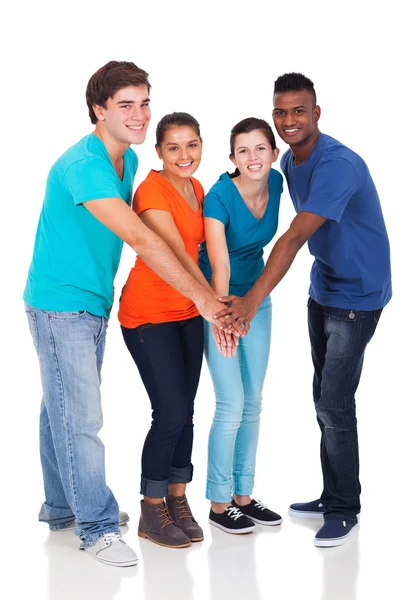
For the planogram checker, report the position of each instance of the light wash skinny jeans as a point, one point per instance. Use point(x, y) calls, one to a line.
point(238, 384)
point(70, 348)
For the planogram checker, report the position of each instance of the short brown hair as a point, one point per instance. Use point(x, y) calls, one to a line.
point(114, 76)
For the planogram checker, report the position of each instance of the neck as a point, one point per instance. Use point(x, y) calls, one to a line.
point(252, 189)
point(181, 184)
point(302, 151)
point(114, 147)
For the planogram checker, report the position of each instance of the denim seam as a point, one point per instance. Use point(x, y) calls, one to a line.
point(66, 429)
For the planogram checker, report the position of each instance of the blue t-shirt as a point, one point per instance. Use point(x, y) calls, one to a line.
point(351, 249)
point(246, 236)
point(76, 257)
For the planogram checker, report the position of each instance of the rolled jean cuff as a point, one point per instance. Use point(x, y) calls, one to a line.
point(153, 488)
point(181, 474)
point(56, 518)
point(219, 492)
point(243, 485)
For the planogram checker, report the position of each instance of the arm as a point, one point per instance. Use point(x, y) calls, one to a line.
point(117, 216)
point(282, 255)
point(221, 270)
point(163, 224)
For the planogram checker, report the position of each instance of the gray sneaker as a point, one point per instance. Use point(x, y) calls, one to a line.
point(181, 514)
point(123, 520)
point(111, 549)
point(156, 525)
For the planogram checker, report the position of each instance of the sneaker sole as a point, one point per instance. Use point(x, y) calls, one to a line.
point(147, 537)
point(197, 539)
point(259, 522)
point(74, 526)
point(128, 563)
point(331, 543)
point(234, 531)
point(298, 514)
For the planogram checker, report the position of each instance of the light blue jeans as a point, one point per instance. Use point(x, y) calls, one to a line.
point(238, 384)
point(70, 348)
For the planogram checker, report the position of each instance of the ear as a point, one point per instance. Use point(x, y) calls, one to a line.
point(158, 150)
point(232, 157)
point(99, 112)
point(317, 113)
point(275, 154)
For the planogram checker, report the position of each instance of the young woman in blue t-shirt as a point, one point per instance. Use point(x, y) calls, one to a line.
point(241, 217)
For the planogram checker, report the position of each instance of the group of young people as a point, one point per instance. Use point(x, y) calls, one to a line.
point(199, 283)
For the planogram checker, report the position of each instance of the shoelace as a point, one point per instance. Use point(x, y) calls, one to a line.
point(164, 516)
point(233, 512)
point(185, 512)
point(260, 505)
point(111, 537)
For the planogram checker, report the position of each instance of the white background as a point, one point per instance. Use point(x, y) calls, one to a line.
point(218, 62)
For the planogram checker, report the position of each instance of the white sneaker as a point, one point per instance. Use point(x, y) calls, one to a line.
point(111, 549)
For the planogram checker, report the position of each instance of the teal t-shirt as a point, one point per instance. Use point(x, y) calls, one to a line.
point(246, 235)
point(75, 257)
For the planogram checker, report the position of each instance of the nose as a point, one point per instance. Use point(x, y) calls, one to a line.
point(289, 120)
point(253, 154)
point(137, 113)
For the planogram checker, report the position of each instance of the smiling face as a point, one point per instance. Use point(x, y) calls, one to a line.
point(180, 151)
point(295, 116)
point(253, 155)
point(127, 115)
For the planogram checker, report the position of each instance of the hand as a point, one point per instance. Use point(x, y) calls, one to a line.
point(240, 311)
point(208, 305)
point(226, 342)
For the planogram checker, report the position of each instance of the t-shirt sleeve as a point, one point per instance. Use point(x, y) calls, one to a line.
point(215, 208)
point(91, 179)
point(150, 196)
point(332, 186)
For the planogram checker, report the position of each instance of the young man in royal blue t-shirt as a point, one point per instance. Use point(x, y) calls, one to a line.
point(339, 214)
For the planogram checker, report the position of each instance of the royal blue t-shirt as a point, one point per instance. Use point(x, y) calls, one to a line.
point(76, 257)
point(246, 235)
point(351, 249)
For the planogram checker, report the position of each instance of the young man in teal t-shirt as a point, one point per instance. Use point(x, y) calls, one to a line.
point(85, 218)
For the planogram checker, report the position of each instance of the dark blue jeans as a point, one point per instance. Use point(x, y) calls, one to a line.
point(338, 341)
point(169, 357)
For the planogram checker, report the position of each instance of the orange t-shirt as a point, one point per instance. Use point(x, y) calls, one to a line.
point(146, 298)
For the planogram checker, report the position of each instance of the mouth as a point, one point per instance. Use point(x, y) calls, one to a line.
point(135, 127)
point(255, 167)
point(185, 165)
point(290, 132)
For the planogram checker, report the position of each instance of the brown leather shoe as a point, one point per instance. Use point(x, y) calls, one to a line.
point(156, 525)
point(182, 515)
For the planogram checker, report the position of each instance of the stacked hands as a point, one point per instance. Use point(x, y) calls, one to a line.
point(232, 322)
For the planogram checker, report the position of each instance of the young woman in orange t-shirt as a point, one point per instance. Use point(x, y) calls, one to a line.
point(164, 332)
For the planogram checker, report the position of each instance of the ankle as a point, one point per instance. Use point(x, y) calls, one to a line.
point(219, 507)
point(242, 500)
point(149, 500)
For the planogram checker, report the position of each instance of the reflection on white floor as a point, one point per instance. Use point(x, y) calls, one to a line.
point(270, 564)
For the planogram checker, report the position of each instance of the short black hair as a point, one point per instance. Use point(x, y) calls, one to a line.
point(294, 82)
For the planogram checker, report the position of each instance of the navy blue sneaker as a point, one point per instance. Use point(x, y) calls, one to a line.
point(307, 510)
point(335, 532)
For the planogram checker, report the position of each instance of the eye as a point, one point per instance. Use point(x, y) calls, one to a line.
point(279, 113)
point(126, 106)
point(173, 148)
point(194, 145)
point(261, 148)
point(299, 110)
point(242, 151)
point(145, 104)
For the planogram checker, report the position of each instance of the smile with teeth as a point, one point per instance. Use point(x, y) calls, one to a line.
point(291, 131)
point(254, 167)
point(184, 165)
point(135, 127)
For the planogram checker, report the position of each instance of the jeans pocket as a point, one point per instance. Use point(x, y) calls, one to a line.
point(346, 315)
point(33, 329)
point(64, 315)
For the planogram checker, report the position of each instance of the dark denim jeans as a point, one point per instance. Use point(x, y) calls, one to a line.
point(169, 357)
point(338, 341)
